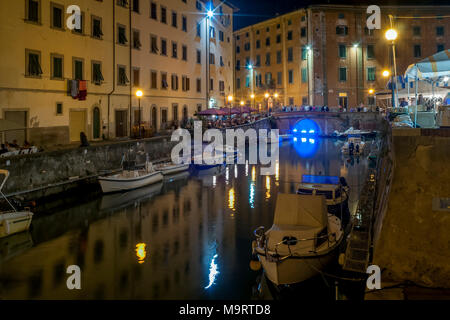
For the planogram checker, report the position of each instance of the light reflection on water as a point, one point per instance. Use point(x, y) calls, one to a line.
point(164, 241)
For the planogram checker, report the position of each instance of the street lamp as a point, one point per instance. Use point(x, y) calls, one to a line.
point(371, 91)
point(386, 73)
point(209, 16)
point(139, 95)
point(391, 35)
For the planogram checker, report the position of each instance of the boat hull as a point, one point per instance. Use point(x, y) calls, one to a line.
point(14, 222)
point(295, 270)
point(172, 169)
point(112, 184)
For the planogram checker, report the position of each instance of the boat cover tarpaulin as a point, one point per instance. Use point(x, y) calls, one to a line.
point(306, 178)
point(434, 68)
point(300, 210)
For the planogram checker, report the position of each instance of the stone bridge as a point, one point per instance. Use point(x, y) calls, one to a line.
point(328, 122)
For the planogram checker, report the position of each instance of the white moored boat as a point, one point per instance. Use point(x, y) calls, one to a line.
point(130, 178)
point(303, 239)
point(13, 221)
point(171, 168)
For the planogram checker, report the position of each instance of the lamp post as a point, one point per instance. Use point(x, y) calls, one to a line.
point(139, 95)
point(267, 95)
point(252, 96)
point(387, 74)
point(230, 100)
point(250, 67)
point(391, 35)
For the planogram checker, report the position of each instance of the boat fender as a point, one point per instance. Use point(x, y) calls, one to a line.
point(289, 241)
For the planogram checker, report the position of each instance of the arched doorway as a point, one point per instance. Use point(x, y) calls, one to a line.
point(96, 123)
point(154, 118)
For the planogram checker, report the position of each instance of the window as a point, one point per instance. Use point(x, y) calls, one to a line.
point(238, 49)
point(136, 78)
point(185, 83)
point(33, 10)
point(153, 11)
point(416, 31)
point(289, 35)
point(278, 26)
point(289, 22)
point(198, 5)
point(164, 84)
point(96, 24)
point(247, 81)
point(199, 56)
point(238, 83)
point(212, 32)
point(258, 60)
point(211, 84)
point(290, 54)
point(153, 79)
point(136, 6)
point(97, 76)
point(440, 31)
point(267, 42)
point(136, 42)
point(268, 78)
point(304, 101)
point(174, 82)
point(341, 16)
point(238, 64)
point(184, 23)
point(280, 78)
point(212, 58)
point(278, 57)
point(342, 30)
point(368, 32)
point(221, 61)
point(174, 50)
point(278, 38)
point(33, 63)
point(291, 76)
point(417, 51)
point(153, 44)
point(122, 3)
point(304, 53)
point(184, 53)
point(56, 13)
point(122, 78)
point(199, 30)
point(57, 64)
point(291, 101)
point(221, 86)
point(258, 44)
point(267, 59)
point(199, 85)
point(304, 75)
point(174, 19)
point(78, 68)
point(247, 46)
point(220, 35)
point(163, 15)
point(303, 32)
point(440, 47)
point(371, 74)
point(342, 74)
point(164, 47)
point(303, 18)
point(59, 108)
point(121, 35)
point(370, 51)
point(81, 29)
point(342, 51)
point(175, 112)
point(371, 101)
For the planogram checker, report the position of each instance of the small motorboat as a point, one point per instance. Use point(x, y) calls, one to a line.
point(335, 190)
point(13, 221)
point(169, 168)
point(302, 241)
point(350, 132)
point(130, 177)
point(354, 146)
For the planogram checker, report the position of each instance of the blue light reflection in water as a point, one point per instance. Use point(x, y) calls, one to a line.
point(213, 272)
point(306, 147)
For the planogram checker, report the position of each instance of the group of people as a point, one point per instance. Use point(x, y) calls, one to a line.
point(14, 146)
point(228, 122)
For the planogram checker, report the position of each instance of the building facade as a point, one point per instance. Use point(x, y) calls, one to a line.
point(158, 47)
point(326, 55)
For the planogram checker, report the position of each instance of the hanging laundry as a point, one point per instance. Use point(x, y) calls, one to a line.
point(82, 90)
point(73, 88)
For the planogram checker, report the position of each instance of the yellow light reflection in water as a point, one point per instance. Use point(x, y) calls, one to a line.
point(253, 173)
point(267, 187)
point(235, 171)
point(231, 199)
point(140, 252)
point(277, 172)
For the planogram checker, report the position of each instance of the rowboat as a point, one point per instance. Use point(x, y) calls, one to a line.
point(13, 221)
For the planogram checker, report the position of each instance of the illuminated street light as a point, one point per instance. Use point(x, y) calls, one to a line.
point(355, 45)
point(371, 91)
point(250, 67)
point(242, 102)
point(276, 95)
point(230, 98)
point(266, 95)
point(252, 96)
point(139, 94)
point(386, 73)
point(391, 34)
point(210, 13)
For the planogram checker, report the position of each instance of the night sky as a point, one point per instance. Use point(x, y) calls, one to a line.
point(254, 11)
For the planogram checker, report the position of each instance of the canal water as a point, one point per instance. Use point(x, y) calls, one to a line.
point(187, 238)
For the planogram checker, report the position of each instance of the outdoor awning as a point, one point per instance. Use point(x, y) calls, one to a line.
point(435, 68)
